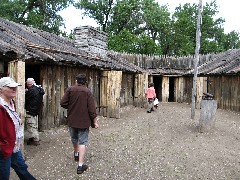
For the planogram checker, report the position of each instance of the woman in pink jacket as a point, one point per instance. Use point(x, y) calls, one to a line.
point(150, 95)
point(11, 133)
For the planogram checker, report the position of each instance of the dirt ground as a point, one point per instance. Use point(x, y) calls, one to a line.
point(164, 145)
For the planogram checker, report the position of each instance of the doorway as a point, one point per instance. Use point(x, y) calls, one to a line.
point(157, 80)
point(171, 89)
point(33, 71)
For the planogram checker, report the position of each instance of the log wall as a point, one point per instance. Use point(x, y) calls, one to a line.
point(178, 90)
point(183, 90)
point(154, 62)
point(140, 86)
point(187, 83)
point(127, 89)
point(55, 80)
point(110, 87)
point(201, 88)
point(226, 90)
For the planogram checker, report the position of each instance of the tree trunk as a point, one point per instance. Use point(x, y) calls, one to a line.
point(207, 115)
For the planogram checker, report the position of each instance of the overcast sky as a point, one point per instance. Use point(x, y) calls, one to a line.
point(228, 9)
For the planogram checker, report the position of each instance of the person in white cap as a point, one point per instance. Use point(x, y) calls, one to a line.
point(11, 133)
point(33, 104)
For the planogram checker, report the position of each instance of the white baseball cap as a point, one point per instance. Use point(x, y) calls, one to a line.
point(30, 80)
point(9, 82)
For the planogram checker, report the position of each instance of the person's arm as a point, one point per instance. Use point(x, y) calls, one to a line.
point(65, 99)
point(1, 124)
point(31, 93)
point(146, 93)
point(154, 93)
point(95, 122)
point(92, 111)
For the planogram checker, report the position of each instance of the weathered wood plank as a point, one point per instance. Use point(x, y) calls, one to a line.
point(207, 115)
point(165, 89)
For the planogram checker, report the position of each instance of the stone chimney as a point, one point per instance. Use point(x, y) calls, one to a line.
point(91, 40)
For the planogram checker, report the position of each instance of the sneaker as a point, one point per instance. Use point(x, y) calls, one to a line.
point(34, 143)
point(76, 158)
point(148, 111)
point(82, 168)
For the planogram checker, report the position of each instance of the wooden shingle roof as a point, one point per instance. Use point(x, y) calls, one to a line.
point(222, 63)
point(33, 45)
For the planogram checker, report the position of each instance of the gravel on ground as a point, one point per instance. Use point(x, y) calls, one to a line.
point(164, 145)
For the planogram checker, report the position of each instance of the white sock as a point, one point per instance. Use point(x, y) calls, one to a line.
point(80, 164)
point(76, 153)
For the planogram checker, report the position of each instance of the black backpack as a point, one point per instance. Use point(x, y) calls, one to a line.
point(41, 90)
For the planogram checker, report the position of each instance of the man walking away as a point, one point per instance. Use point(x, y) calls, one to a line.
point(33, 105)
point(79, 102)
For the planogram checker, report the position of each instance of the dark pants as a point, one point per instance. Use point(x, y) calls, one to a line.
point(17, 162)
point(150, 104)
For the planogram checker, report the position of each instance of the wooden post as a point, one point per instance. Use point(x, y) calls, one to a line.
point(165, 89)
point(180, 90)
point(103, 93)
point(198, 35)
point(207, 115)
point(16, 70)
point(199, 91)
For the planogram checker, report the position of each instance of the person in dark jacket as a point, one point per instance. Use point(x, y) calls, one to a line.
point(33, 104)
point(79, 102)
point(11, 133)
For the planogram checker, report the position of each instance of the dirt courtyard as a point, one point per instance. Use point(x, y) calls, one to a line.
point(162, 145)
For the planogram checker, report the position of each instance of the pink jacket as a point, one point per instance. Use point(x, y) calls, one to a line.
point(150, 93)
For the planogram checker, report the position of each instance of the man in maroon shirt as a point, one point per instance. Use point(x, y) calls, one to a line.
point(81, 114)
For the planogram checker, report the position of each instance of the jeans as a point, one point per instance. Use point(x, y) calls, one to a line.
point(17, 162)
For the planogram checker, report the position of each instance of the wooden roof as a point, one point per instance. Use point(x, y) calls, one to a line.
point(211, 64)
point(222, 63)
point(33, 45)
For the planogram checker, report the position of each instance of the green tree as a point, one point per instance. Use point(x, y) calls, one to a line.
point(125, 20)
point(158, 25)
point(184, 29)
point(213, 38)
point(144, 26)
point(232, 40)
point(126, 41)
point(41, 14)
point(99, 10)
point(126, 15)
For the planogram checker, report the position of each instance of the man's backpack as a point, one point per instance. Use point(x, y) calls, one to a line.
point(41, 90)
